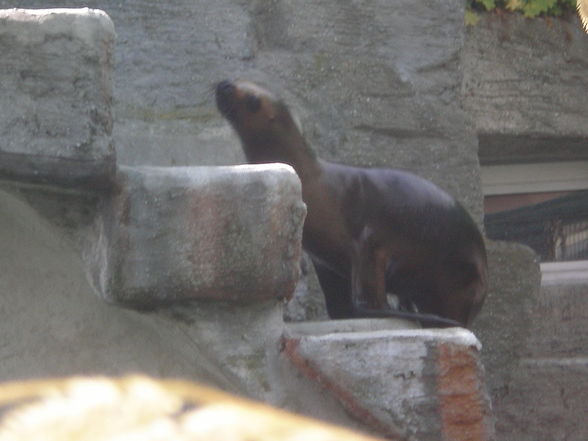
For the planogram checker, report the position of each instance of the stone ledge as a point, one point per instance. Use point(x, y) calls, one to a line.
point(316, 328)
point(429, 384)
point(564, 273)
point(185, 233)
point(55, 105)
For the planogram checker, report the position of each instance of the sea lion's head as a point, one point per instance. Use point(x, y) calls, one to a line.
point(247, 105)
point(267, 130)
point(260, 119)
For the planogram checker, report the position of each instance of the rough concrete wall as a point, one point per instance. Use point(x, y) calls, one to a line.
point(525, 84)
point(375, 83)
point(148, 235)
point(367, 95)
point(553, 374)
point(506, 321)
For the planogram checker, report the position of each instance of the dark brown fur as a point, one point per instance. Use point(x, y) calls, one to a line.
point(369, 232)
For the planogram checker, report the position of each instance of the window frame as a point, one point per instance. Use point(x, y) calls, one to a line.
point(528, 178)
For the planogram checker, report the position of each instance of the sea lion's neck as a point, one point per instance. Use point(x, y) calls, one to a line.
point(305, 161)
point(290, 148)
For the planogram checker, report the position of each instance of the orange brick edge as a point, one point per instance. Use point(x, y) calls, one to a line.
point(357, 411)
point(461, 396)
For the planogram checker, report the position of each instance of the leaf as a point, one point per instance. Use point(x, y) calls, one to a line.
point(471, 18)
point(536, 7)
point(515, 5)
point(529, 8)
point(488, 4)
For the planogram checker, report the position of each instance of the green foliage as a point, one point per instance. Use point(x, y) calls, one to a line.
point(529, 8)
point(488, 4)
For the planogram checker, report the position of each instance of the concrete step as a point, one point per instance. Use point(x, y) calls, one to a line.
point(184, 233)
point(401, 383)
point(56, 96)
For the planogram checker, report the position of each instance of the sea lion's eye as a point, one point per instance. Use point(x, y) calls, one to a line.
point(253, 103)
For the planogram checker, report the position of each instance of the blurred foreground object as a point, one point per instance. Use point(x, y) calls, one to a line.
point(583, 11)
point(139, 408)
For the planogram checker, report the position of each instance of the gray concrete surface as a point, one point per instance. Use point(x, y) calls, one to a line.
point(55, 112)
point(175, 234)
point(525, 85)
point(505, 321)
point(52, 323)
point(430, 381)
point(170, 54)
point(552, 374)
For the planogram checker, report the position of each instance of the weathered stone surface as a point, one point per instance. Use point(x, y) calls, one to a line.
point(179, 233)
point(378, 86)
point(559, 323)
point(366, 95)
point(506, 319)
point(55, 97)
point(55, 326)
point(52, 324)
point(525, 84)
point(308, 301)
point(381, 87)
point(168, 56)
point(546, 401)
point(545, 396)
point(429, 384)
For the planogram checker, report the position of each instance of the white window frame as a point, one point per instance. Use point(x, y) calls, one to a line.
point(534, 178)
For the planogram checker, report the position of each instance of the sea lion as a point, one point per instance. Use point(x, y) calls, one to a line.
point(369, 231)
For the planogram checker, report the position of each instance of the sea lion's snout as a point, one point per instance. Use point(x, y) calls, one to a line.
point(225, 93)
point(224, 88)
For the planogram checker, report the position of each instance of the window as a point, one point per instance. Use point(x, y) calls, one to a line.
point(544, 206)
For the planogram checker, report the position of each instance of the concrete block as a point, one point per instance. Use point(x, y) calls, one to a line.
point(181, 233)
point(55, 99)
point(403, 384)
